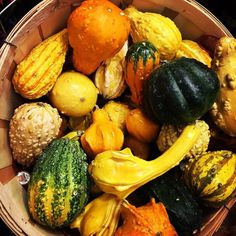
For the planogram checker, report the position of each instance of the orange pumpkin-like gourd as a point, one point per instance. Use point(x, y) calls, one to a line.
point(102, 135)
point(97, 30)
point(141, 127)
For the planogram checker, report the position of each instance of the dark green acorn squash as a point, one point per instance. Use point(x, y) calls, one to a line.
point(184, 211)
point(59, 186)
point(180, 91)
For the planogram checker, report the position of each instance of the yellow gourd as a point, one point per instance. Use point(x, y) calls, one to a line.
point(120, 173)
point(100, 216)
point(102, 135)
point(161, 31)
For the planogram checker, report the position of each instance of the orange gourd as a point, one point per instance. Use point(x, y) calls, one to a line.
point(141, 127)
point(148, 220)
point(97, 30)
point(102, 135)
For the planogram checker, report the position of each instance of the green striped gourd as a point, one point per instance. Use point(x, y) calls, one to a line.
point(37, 72)
point(59, 186)
point(212, 177)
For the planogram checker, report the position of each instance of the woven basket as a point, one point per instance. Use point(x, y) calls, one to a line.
point(45, 19)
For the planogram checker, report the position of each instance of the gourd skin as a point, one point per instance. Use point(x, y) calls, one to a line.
point(100, 216)
point(32, 127)
point(170, 133)
point(224, 109)
point(183, 209)
point(140, 126)
point(59, 186)
point(141, 59)
point(102, 135)
point(212, 177)
point(157, 29)
point(37, 73)
point(137, 172)
point(109, 77)
point(148, 220)
point(97, 30)
point(181, 91)
point(191, 49)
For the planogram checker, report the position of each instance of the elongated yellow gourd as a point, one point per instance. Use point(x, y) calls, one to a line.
point(120, 172)
point(100, 216)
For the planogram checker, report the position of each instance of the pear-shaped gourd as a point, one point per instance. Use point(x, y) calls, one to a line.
point(100, 216)
point(161, 31)
point(120, 173)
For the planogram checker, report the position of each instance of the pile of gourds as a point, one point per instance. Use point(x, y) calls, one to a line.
point(95, 128)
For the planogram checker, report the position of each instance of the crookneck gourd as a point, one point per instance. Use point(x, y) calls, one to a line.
point(100, 217)
point(180, 91)
point(97, 30)
point(224, 64)
point(59, 186)
point(212, 177)
point(161, 31)
point(37, 72)
point(136, 170)
point(141, 59)
point(102, 135)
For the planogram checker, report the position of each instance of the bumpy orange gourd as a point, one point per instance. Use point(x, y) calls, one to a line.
point(141, 127)
point(97, 31)
point(102, 135)
point(148, 220)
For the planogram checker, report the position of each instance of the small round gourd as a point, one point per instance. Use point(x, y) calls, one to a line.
point(212, 177)
point(32, 127)
point(180, 92)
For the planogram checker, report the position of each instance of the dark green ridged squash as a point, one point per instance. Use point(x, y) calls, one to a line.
point(59, 186)
point(180, 91)
point(183, 210)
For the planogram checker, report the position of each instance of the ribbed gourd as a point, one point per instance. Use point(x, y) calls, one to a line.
point(161, 31)
point(32, 128)
point(180, 91)
point(141, 59)
point(212, 177)
point(59, 186)
point(37, 72)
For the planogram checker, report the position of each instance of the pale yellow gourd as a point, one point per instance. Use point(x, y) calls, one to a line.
point(120, 173)
point(100, 216)
point(161, 31)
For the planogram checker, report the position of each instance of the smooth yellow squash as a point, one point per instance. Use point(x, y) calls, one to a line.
point(120, 172)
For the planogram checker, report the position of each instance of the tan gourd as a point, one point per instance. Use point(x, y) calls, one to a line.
point(224, 64)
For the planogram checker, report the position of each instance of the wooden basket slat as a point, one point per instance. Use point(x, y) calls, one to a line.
point(5, 152)
point(56, 22)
